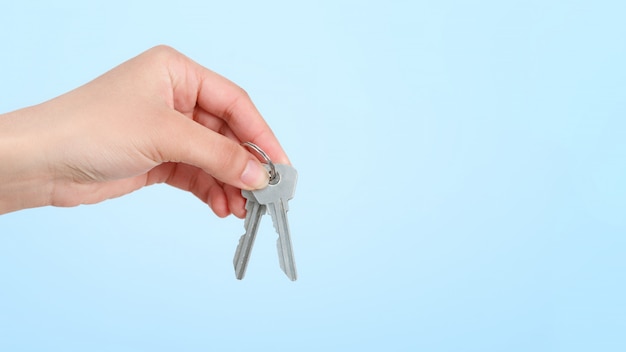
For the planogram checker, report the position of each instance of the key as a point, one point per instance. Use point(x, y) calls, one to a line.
point(251, 224)
point(276, 197)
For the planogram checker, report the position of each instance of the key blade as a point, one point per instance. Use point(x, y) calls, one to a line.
point(246, 242)
point(287, 263)
point(283, 243)
point(239, 262)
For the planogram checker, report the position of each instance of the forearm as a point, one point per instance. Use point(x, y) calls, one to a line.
point(25, 180)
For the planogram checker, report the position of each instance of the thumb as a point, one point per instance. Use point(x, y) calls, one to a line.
point(188, 142)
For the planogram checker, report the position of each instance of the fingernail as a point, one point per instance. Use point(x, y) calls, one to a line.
point(255, 175)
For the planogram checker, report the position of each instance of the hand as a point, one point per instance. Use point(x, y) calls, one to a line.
point(159, 117)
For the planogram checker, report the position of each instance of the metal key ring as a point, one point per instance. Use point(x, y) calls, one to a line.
point(273, 173)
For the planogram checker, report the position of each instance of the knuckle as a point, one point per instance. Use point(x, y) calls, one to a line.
point(242, 93)
point(163, 49)
point(238, 102)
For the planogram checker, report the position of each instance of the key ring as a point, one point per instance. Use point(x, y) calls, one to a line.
point(273, 173)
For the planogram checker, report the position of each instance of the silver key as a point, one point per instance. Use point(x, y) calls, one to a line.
point(276, 197)
point(251, 224)
point(273, 198)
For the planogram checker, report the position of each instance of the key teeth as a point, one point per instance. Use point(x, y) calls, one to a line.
point(238, 250)
point(281, 261)
point(237, 260)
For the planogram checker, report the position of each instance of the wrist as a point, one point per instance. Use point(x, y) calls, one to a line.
point(25, 180)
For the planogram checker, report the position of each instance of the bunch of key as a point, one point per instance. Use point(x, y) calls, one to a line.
point(273, 199)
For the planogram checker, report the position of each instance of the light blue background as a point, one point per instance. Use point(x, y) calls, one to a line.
point(461, 181)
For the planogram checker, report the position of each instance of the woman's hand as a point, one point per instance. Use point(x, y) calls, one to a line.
point(159, 117)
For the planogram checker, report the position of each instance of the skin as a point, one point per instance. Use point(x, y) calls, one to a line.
point(157, 118)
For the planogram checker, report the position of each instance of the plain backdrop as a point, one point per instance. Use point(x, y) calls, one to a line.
point(461, 181)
